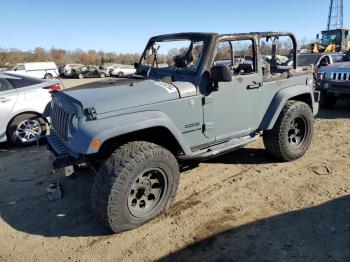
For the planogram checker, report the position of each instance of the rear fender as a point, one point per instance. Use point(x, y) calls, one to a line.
point(300, 92)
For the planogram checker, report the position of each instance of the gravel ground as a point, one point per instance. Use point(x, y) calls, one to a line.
point(243, 206)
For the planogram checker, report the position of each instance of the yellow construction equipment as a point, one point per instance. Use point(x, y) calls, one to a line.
point(336, 40)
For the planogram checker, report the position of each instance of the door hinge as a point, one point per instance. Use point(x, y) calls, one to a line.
point(208, 126)
point(207, 100)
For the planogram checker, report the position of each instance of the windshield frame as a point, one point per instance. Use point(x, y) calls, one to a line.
point(206, 38)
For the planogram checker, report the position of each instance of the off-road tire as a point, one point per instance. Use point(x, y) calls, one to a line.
point(12, 126)
point(116, 176)
point(276, 141)
point(327, 101)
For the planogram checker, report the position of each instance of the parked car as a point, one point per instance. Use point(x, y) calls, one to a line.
point(60, 70)
point(106, 68)
point(333, 82)
point(317, 60)
point(67, 69)
point(87, 72)
point(46, 70)
point(136, 132)
point(122, 70)
point(22, 102)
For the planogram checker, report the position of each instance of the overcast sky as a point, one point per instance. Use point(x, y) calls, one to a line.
point(125, 26)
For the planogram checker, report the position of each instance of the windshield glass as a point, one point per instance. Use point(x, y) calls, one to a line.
point(173, 54)
point(330, 38)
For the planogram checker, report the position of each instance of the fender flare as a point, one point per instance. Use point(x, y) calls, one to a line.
point(107, 128)
point(280, 99)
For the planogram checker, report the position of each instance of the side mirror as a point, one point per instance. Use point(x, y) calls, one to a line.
point(136, 65)
point(221, 73)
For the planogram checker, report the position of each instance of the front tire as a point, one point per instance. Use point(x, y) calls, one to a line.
point(137, 183)
point(25, 129)
point(102, 75)
point(120, 74)
point(291, 136)
point(80, 76)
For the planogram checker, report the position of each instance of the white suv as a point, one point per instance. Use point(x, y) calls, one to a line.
point(67, 69)
point(22, 102)
point(122, 70)
point(46, 70)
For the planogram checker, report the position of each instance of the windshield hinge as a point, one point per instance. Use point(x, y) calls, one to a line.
point(207, 100)
point(91, 113)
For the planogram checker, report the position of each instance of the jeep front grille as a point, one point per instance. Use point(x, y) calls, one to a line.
point(60, 120)
point(340, 76)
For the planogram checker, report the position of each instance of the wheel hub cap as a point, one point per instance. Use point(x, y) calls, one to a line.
point(147, 192)
point(28, 130)
point(297, 131)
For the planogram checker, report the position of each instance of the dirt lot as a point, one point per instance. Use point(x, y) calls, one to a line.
point(244, 206)
point(71, 82)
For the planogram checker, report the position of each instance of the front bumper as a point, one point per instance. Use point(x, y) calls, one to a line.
point(335, 88)
point(61, 156)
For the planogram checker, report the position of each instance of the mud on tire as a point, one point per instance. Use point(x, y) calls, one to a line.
point(136, 183)
point(291, 136)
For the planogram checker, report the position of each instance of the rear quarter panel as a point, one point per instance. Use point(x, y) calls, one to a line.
point(274, 95)
point(31, 101)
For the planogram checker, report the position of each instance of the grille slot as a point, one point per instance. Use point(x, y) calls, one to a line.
point(60, 119)
point(341, 76)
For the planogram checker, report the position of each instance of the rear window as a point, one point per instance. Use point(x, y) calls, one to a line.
point(23, 82)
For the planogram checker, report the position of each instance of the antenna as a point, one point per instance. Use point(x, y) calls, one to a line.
point(335, 17)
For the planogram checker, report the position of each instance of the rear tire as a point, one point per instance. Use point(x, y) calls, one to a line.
point(137, 183)
point(24, 129)
point(102, 75)
point(327, 101)
point(291, 136)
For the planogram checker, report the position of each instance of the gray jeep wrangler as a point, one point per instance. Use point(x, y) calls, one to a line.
point(207, 97)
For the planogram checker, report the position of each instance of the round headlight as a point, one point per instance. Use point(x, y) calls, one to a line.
point(73, 125)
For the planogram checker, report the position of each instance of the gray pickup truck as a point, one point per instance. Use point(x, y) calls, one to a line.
point(138, 132)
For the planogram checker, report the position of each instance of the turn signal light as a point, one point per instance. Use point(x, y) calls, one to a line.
point(95, 143)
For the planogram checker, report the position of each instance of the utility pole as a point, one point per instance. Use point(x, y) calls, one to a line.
point(335, 16)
